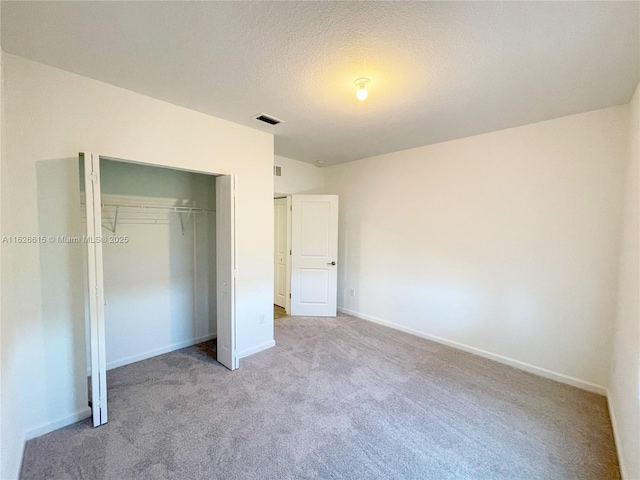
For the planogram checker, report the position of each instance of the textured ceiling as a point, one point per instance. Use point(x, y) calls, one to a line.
point(438, 70)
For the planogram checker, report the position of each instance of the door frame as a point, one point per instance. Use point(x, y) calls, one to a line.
point(287, 307)
point(289, 208)
point(94, 291)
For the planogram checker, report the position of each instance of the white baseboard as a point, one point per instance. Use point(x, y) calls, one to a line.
point(158, 351)
point(256, 349)
point(56, 424)
point(543, 372)
point(616, 436)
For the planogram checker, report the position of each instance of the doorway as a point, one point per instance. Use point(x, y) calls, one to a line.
point(281, 253)
point(160, 264)
point(306, 254)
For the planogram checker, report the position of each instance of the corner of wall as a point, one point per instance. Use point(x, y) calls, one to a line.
point(624, 404)
point(56, 424)
point(617, 440)
point(298, 177)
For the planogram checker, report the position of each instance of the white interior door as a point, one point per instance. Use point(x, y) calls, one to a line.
point(280, 252)
point(95, 286)
point(226, 271)
point(314, 256)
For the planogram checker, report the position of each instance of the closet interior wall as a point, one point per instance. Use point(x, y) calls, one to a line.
point(159, 272)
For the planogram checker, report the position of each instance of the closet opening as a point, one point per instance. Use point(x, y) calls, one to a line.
point(160, 266)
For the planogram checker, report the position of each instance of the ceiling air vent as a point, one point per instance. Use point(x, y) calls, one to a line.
point(263, 117)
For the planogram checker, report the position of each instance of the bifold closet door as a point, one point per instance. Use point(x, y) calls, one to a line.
point(95, 287)
point(226, 270)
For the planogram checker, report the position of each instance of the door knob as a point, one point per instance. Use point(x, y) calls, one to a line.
point(332, 263)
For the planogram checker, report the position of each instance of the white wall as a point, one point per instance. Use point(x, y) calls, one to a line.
point(297, 177)
point(157, 282)
point(11, 431)
point(624, 392)
point(505, 243)
point(49, 116)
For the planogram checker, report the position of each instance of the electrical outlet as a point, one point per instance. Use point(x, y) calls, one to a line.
point(262, 318)
point(352, 292)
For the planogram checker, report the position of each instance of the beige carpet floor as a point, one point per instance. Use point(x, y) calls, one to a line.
point(335, 399)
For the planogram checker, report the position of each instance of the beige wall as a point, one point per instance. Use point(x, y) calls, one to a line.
point(297, 177)
point(505, 244)
point(11, 433)
point(49, 116)
point(624, 393)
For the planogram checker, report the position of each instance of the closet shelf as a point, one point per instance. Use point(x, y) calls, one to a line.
point(185, 213)
point(166, 208)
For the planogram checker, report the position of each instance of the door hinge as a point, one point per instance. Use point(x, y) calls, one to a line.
point(289, 252)
point(94, 177)
point(289, 295)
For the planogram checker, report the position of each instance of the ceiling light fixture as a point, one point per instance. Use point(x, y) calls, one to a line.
point(362, 93)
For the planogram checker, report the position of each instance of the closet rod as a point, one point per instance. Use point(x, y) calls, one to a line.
point(161, 207)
